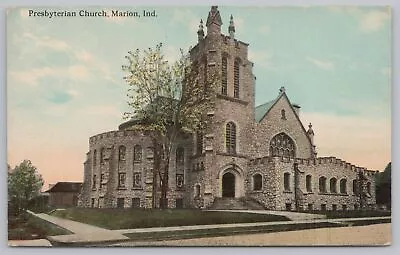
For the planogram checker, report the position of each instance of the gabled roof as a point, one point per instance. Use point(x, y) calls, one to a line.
point(66, 187)
point(261, 110)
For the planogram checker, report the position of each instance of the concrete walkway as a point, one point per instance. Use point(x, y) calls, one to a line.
point(83, 233)
point(29, 243)
point(294, 216)
point(377, 234)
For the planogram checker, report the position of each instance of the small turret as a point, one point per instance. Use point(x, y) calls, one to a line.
point(214, 21)
point(231, 28)
point(200, 32)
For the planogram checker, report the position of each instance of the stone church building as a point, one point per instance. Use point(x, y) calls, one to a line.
point(251, 157)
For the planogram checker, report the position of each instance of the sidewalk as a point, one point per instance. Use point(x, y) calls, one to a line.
point(370, 235)
point(29, 243)
point(85, 234)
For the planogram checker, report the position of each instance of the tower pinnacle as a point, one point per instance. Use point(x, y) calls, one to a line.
point(200, 32)
point(231, 28)
point(214, 21)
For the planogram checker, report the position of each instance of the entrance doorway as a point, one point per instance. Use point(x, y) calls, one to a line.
point(228, 185)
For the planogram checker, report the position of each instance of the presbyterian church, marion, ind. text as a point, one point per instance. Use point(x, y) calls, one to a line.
point(254, 157)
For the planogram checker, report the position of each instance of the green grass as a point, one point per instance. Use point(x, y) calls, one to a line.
point(355, 214)
point(184, 234)
point(28, 227)
point(135, 218)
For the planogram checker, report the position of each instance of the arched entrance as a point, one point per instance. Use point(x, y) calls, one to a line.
point(228, 185)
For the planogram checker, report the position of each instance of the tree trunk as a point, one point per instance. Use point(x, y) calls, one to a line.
point(164, 185)
point(156, 169)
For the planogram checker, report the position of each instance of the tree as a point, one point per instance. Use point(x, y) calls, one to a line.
point(169, 102)
point(24, 183)
point(383, 184)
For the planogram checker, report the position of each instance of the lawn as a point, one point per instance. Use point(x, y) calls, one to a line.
point(136, 218)
point(28, 227)
point(355, 214)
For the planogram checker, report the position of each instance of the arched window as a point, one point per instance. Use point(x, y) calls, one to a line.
point(205, 73)
point(257, 182)
point(282, 145)
point(322, 184)
point(332, 185)
point(308, 183)
point(286, 181)
point(137, 153)
point(224, 71)
point(283, 114)
point(236, 78)
point(197, 190)
point(369, 188)
point(180, 156)
point(355, 187)
point(102, 155)
point(94, 157)
point(343, 186)
point(121, 153)
point(230, 137)
point(199, 142)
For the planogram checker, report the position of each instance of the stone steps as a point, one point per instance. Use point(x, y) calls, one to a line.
point(235, 204)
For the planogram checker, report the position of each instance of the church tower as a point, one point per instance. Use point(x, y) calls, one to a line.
point(221, 152)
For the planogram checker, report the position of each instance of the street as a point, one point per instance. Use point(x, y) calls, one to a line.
point(378, 234)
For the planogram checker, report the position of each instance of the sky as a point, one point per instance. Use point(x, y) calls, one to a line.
point(64, 77)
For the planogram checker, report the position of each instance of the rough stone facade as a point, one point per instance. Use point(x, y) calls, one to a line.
point(260, 153)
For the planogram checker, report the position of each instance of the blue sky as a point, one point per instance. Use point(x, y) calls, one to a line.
point(64, 78)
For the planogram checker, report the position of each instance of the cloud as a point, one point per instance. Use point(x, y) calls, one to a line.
point(78, 72)
point(264, 29)
point(370, 21)
point(47, 42)
point(103, 110)
point(323, 64)
point(374, 20)
point(84, 56)
point(262, 58)
point(172, 53)
point(33, 76)
point(187, 18)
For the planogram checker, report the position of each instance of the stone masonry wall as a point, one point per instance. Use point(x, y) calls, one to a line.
point(267, 195)
point(330, 168)
point(106, 192)
point(238, 110)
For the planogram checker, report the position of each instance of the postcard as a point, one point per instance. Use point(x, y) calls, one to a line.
point(199, 126)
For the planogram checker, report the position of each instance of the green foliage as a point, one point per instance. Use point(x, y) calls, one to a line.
point(24, 184)
point(27, 227)
point(383, 186)
point(167, 96)
point(168, 100)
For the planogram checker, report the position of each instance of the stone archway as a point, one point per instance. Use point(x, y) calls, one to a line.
point(228, 185)
point(231, 182)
